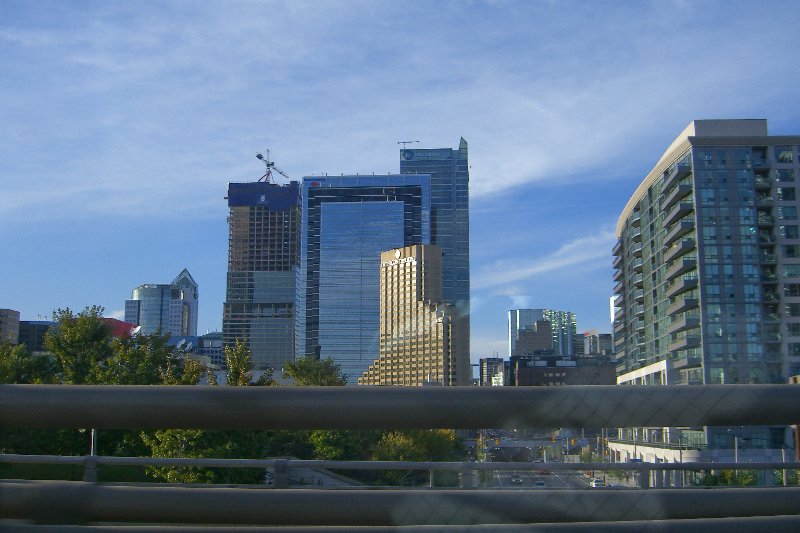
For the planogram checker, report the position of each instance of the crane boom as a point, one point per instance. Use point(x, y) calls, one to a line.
point(267, 177)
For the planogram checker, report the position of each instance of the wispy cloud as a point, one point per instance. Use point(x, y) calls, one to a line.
point(590, 251)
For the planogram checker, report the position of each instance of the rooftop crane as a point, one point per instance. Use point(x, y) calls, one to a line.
point(267, 177)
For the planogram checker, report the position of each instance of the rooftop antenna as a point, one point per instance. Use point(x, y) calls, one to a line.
point(267, 177)
point(404, 143)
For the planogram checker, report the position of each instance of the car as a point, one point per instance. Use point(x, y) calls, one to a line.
point(597, 483)
point(516, 479)
point(539, 484)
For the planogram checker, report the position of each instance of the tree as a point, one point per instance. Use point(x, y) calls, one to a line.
point(310, 371)
point(80, 343)
point(239, 361)
point(19, 366)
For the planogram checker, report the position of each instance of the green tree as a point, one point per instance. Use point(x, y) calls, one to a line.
point(310, 371)
point(239, 362)
point(80, 343)
point(19, 366)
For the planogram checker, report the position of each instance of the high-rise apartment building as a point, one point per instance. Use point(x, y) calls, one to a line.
point(419, 342)
point(165, 308)
point(707, 267)
point(449, 172)
point(563, 328)
point(263, 259)
point(347, 223)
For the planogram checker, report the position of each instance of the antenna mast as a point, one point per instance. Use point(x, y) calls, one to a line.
point(404, 143)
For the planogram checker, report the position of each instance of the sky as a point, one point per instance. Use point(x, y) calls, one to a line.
point(121, 124)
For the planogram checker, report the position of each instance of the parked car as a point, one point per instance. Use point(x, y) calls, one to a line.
point(595, 483)
point(539, 484)
point(516, 479)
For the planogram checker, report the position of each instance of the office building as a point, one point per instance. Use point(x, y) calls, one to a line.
point(562, 325)
point(534, 339)
point(449, 189)
point(489, 367)
point(348, 222)
point(165, 308)
point(556, 370)
point(263, 259)
point(707, 272)
point(419, 342)
point(32, 333)
point(9, 326)
point(596, 343)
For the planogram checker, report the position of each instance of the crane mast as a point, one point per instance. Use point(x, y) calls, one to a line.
point(267, 177)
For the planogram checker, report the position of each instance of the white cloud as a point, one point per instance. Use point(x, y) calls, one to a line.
point(119, 314)
point(586, 251)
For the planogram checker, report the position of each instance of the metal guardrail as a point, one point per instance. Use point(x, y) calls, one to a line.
point(143, 407)
point(40, 406)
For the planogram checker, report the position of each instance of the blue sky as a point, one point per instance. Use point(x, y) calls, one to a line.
point(121, 124)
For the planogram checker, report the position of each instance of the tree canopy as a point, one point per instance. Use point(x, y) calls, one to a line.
point(310, 371)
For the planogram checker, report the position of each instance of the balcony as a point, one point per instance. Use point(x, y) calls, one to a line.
point(767, 259)
point(618, 260)
point(638, 296)
point(682, 304)
point(766, 239)
point(636, 249)
point(618, 273)
point(617, 250)
point(619, 287)
point(619, 315)
point(678, 249)
point(762, 182)
point(684, 343)
point(639, 326)
point(635, 219)
point(619, 326)
point(679, 211)
point(684, 323)
point(762, 163)
point(765, 221)
point(636, 234)
point(769, 278)
point(638, 281)
point(677, 173)
point(678, 230)
point(764, 201)
point(681, 191)
point(681, 266)
point(638, 310)
point(636, 264)
point(680, 286)
point(771, 317)
point(770, 298)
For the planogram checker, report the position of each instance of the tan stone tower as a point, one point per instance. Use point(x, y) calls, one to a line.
point(422, 340)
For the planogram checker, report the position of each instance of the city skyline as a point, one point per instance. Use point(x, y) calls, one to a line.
point(122, 125)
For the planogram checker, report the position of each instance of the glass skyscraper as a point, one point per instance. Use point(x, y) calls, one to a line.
point(165, 308)
point(263, 258)
point(563, 328)
point(449, 171)
point(347, 222)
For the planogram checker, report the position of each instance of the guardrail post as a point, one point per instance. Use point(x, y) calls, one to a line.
point(430, 477)
point(90, 468)
point(467, 478)
point(281, 474)
point(644, 478)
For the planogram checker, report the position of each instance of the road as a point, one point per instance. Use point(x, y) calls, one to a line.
point(555, 480)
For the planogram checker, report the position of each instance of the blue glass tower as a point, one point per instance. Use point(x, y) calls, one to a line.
point(347, 222)
point(449, 172)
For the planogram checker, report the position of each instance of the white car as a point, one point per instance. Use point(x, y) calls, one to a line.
point(596, 483)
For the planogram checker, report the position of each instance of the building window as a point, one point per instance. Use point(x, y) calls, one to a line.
point(794, 348)
point(783, 154)
point(786, 194)
point(789, 232)
point(791, 251)
point(786, 212)
point(791, 271)
point(793, 329)
point(793, 309)
point(785, 174)
point(791, 289)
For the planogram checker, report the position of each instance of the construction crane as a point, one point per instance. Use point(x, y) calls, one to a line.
point(267, 177)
